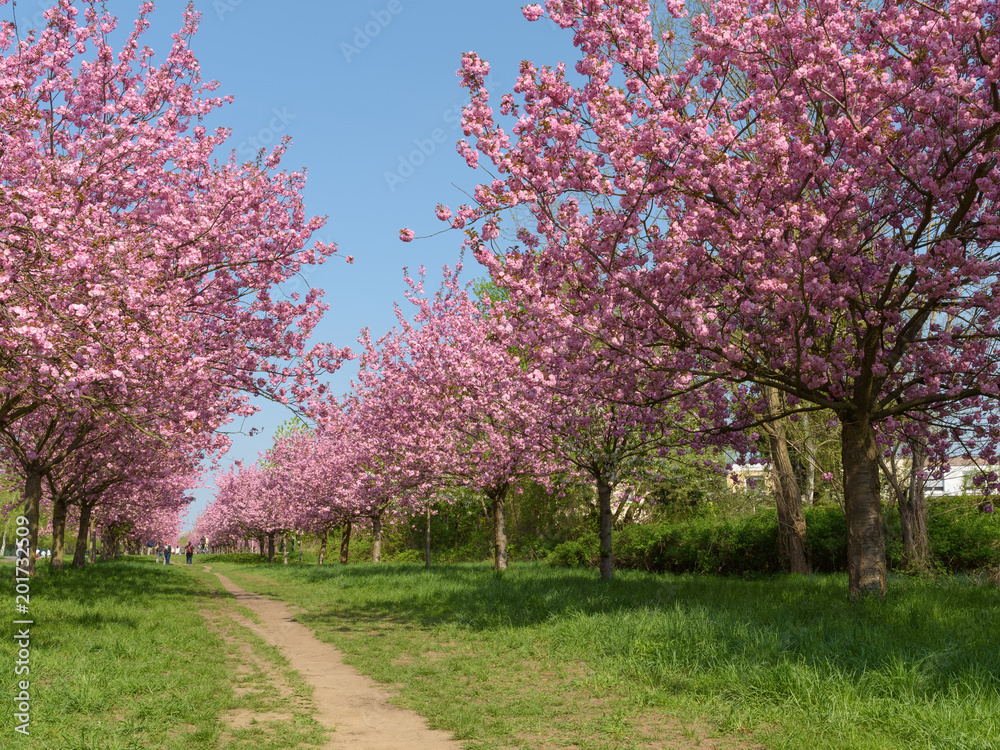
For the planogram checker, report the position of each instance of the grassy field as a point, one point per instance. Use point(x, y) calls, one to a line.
point(534, 658)
point(135, 655)
point(555, 656)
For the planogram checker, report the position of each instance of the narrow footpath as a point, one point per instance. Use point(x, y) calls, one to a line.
point(352, 706)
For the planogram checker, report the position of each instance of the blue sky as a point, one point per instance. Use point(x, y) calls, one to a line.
point(367, 90)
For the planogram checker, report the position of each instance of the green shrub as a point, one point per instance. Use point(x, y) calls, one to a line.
point(826, 539)
point(962, 538)
point(407, 556)
point(570, 554)
point(702, 545)
point(636, 546)
point(740, 545)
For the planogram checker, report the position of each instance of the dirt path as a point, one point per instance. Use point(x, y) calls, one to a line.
point(346, 701)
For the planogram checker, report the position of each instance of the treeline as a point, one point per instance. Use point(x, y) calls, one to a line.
point(724, 532)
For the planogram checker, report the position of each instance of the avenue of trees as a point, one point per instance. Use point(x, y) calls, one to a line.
point(137, 275)
point(728, 230)
point(722, 220)
point(805, 208)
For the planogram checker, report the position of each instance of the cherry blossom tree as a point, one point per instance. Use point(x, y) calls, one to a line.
point(595, 425)
point(827, 228)
point(318, 476)
point(464, 411)
point(129, 255)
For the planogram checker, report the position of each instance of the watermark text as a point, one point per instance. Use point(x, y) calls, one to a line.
point(22, 630)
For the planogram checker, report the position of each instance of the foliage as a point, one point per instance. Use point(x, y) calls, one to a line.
point(808, 202)
point(681, 489)
point(827, 539)
point(963, 538)
point(572, 554)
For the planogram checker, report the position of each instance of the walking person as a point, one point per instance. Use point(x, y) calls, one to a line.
point(189, 551)
point(159, 552)
point(166, 553)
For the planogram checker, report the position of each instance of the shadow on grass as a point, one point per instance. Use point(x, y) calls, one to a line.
point(939, 633)
point(110, 580)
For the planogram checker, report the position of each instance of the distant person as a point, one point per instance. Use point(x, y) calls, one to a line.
point(166, 554)
point(189, 552)
point(159, 552)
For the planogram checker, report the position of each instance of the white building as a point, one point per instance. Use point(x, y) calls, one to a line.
point(958, 479)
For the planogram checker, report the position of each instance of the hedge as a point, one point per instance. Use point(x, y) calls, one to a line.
point(962, 539)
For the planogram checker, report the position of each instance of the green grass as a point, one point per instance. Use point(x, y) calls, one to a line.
point(130, 655)
point(541, 655)
point(122, 657)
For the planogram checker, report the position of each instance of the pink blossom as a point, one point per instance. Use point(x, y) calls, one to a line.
point(532, 12)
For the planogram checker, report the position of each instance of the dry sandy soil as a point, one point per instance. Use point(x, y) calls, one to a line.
point(346, 701)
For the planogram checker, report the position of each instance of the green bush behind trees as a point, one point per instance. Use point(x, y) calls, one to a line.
point(690, 527)
point(963, 539)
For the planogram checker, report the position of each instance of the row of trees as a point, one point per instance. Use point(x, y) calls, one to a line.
point(800, 201)
point(137, 275)
point(763, 210)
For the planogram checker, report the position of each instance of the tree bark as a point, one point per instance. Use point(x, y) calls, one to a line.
point(499, 498)
point(284, 549)
point(93, 547)
point(32, 505)
point(110, 547)
point(788, 498)
point(345, 542)
point(604, 505)
point(863, 507)
point(377, 538)
point(260, 545)
point(80, 553)
point(270, 547)
point(913, 511)
point(427, 538)
point(322, 546)
point(58, 532)
point(810, 448)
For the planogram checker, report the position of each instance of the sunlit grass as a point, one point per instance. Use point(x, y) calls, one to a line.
point(537, 657)
point(541, 652)
point(121, 657)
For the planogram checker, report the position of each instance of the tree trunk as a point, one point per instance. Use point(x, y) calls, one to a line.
point(260, 545)
point(345, 542)
point(80, 553)
point(32, 505)
point(322, 546)
point(863, 506)
point(604, 505)
point(427, 539)
point(93, 547)
point(913, 511)
point(810, 446)
point(284, 549)
point(499, 498)
point(377, 539)
point(58, 532)
point(791, 521)
point(270, 547)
